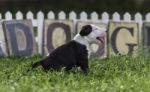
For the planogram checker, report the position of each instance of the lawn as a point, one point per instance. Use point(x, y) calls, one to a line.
point(116, 74)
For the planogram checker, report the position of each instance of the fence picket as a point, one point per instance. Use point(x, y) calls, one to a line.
point(72, 15)
point(30, 16)
point(0, 16)
point(138, 19)
point(116, 17)
point(19, 15)
point(83, 16)
point(8, 15)
point(51, 15)
point(40, 21)
point(61, 15)
point(105, 17)
point(94, 17)
point(147, 17)
point(127, 17)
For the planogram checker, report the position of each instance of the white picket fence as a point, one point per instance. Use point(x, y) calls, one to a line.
point(105, 17)
point(94, 17)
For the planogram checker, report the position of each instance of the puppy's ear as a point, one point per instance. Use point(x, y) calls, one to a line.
point(87, 29)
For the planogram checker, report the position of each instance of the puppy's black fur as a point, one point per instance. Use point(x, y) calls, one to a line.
point(69, 55)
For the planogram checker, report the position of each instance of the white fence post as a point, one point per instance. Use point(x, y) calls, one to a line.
point(94, 17)
point(51, 15)
point(40, 24)
point(138, 19)
point(29, 15)
point(0, 16)
point(83, 16)
point(127, 17)
point(8, 15)
point(147, 17)
point(116, 17)
point(19, 15)
point(73, 16)
point(61, 15)
point(105, 17)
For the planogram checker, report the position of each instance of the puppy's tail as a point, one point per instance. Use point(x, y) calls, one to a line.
point(37, 64)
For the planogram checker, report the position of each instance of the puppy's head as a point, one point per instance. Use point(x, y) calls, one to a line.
point(93, 33)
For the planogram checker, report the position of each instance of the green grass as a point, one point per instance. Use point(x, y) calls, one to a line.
point(116, 74)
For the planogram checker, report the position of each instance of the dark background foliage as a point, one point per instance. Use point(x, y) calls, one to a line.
point(121, 6)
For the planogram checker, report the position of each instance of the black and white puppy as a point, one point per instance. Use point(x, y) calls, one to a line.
point(74, 53)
